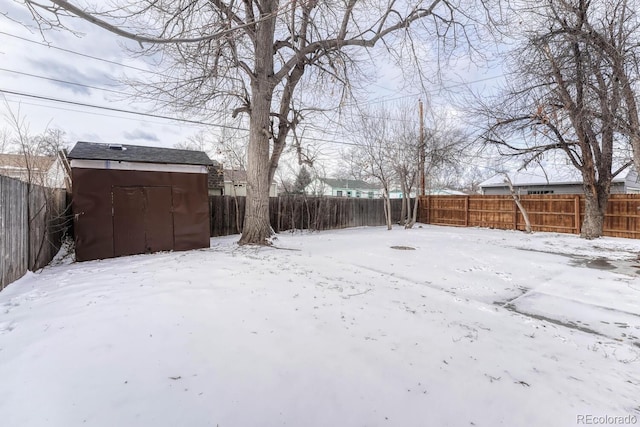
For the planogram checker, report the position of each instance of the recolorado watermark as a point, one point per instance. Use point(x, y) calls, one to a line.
point(607, 420)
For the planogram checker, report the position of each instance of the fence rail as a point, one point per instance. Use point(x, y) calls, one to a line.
point(555, 213)
point(300, 212)
point(32, 221)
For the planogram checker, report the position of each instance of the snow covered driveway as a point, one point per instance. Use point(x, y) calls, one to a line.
point(470, 327)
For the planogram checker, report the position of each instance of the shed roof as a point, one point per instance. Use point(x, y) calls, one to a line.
point(137, 153)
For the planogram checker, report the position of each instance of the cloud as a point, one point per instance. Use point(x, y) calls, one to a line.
point(69, 73)
point(140, 134)
point(16, 12)
point(85, 136)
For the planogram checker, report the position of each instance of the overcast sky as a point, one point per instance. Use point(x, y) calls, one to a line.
point(30, 67)
point(34, 72)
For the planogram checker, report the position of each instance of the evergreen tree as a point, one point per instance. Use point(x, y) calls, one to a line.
point(302, 180)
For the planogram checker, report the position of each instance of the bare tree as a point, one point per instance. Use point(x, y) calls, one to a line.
point(231, 150)
point(47, 221)
point(201, 141)
point(5, 140)
point(404, 151)
point(446, 146)
point(518, 202)
point(388, 149)
point(371, 157)
point(318, 187)
point(468, 179)
point(443, 152)
point(36, 152)
point(252, 56)
point(51, 142)
point(612, 29)
point(564, 95)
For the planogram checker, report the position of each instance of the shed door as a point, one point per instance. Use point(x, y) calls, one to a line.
point(158, 219)
point(142, 220)
point(128, 221)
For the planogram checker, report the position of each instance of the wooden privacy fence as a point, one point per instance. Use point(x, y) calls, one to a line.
point(555, 213)
point(32, 222)
point(300, 212)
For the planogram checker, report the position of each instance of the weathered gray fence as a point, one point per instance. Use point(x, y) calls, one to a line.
point(32, 222)
point(300, 212)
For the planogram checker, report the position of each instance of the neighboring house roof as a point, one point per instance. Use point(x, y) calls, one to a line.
point(215, 176)
point(235, 175)
point(433, 192)
point(349, 183)
point(136, 153)
point(445, 192)
point(20, 162)
point(48, 171)
point(547, 175)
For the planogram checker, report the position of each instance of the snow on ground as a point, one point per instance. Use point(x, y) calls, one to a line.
point(471, 327)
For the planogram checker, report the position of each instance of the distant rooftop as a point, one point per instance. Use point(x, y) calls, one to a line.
point(444, 192)
point(349, 183)
point(20, 161)
point(236, 175)
point(549, 174)
point(137, 153)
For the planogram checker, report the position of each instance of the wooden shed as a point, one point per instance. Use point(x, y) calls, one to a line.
point(131, 199)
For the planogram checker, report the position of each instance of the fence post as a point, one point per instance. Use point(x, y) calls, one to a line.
point(515, 215)
point(576, 209)
point(466, 211)
point(428, 206)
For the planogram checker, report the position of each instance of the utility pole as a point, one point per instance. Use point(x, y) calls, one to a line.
point(421, 154)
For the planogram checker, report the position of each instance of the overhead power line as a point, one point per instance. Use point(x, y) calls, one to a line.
point(95, 113)
point(382, 100)
point(67, 82)
point(119, 110)
point(157, 116)
point(378, 100)
point(73, 52)
point(36, 76)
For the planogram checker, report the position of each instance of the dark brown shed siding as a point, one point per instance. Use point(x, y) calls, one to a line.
point(128, 221)
point(158, 219)
point(93, 215)
point(191, 217)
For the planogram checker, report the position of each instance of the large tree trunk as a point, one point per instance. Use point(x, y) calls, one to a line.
point(403, 211)
point(595, 206)
point(387, 209)
point(257, 229)
point(635, 145)
point(414, 215)
point(407, 197)
point(237, 205)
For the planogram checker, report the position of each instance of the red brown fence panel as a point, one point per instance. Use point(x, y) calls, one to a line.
point(549, 212)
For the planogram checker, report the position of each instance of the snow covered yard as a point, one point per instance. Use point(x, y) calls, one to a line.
point(470, 327)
